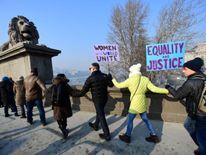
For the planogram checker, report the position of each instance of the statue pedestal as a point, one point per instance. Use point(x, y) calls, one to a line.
point(18, 61)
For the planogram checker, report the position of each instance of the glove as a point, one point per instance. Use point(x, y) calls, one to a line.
point(109, 76)
point(167, 86)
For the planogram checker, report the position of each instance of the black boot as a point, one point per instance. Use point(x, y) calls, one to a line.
point(95, 128)
point(102, 136)
point(16, 114)
point(64, 132)
point(23, 116)
point(7, 115)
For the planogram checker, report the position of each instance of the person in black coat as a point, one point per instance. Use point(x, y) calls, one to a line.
point(60, 102)
point(191, 90)
point(98, 83)
point(1, 103)
point(7, 96)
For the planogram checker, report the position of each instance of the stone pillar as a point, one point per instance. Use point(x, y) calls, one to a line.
point(18, 61)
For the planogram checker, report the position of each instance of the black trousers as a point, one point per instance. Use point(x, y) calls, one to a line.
point(62, 123)
point(22, 110)
point(12, 106)
point(100, 117)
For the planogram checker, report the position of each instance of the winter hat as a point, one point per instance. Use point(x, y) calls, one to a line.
point(135, 69)
point(5, 78)
point(195, 64)
point(62, 76)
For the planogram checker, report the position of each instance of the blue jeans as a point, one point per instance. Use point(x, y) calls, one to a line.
point(196, 128)
point(190, 126)
point(201, 134)
point(39, 104)
point(144, 118)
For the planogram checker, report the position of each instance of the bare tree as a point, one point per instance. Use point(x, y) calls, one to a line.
point(179, 21)
point(127, 30)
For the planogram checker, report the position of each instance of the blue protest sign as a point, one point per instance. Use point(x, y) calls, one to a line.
point(165, 56)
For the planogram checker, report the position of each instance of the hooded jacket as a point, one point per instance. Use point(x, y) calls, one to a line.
point(19, 90)
point(61, 91)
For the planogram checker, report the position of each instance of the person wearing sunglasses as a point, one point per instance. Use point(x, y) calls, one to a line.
point(98, 83)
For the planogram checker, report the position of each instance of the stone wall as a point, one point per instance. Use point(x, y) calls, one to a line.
point(160, 107)
point(18, 61)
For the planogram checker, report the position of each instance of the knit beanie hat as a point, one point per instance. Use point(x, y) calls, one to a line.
point(195, 64)
point(135, 69)
point(5, 78)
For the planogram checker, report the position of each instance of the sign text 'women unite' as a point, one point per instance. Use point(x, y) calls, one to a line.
point(106, 52)
point(165, 56)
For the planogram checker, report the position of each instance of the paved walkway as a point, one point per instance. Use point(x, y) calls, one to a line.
point(17, 137)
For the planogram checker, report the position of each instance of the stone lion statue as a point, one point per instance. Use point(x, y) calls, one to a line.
point(21, 30)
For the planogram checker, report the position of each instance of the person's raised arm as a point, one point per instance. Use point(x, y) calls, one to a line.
point(123, 84)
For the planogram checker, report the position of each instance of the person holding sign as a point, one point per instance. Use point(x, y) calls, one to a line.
point(138, 86)
point(191, 90)
point(98, 83)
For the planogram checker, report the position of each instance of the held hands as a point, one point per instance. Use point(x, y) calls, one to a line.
point(167, 86)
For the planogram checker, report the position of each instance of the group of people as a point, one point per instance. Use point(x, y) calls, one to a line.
point(26, 92)
point(7, 96)
point(137, 84)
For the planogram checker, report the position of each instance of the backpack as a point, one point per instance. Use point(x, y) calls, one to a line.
point(202, 101)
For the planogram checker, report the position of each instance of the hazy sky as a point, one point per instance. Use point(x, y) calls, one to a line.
point(72, 26)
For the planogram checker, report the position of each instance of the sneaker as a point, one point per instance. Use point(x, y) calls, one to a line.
point(102, 136)
point(125, 138)
point(93, 126)
point(152, 138)
point(197, 152)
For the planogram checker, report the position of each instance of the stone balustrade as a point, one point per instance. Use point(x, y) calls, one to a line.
point(160, 107)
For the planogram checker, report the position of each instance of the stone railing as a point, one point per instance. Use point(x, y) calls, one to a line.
point(160, 107)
